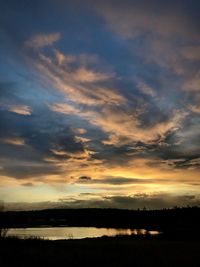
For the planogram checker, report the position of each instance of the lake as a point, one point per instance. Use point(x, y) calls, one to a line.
point(55, 233)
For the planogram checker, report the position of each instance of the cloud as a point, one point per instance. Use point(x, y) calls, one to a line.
point(82, 139)
point(112, 115)
point(79, 131)
point(155, 201)
point(191, 53)
point(64, 108)
point(167, 33)
point(20, 109)
point(110, 118)
point(84, 178)
point(125, 127)
point(127, 108)
point(117, 180)
point(28, 184)
point(194, 108)
point(42, 40)
point(89, 76)
point(37, 145)
point(26, 170)
point(192, 163)
point(80, 84)
point(132, 19)
point(17, 141)
point(146, 89)
point(193, 83)
point(104, 106)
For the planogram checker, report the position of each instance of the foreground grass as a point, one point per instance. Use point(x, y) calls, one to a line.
point(99, 252)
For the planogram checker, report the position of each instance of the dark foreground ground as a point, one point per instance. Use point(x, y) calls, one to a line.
point(119, 251)
point(179, 244)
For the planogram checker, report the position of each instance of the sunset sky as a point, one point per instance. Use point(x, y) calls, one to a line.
point(99, 103)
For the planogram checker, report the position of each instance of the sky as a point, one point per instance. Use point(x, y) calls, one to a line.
point(99, 103)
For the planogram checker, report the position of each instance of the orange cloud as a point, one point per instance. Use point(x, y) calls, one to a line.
point(20, 109)
point(79, 130)
point(81, 84)
point(194, 108)
point(17, 141)
point(123, 125)
point(64, 108)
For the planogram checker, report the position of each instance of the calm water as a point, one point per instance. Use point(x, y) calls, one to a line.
point(54, 233)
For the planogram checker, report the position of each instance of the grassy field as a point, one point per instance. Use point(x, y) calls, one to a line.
point(117, 251)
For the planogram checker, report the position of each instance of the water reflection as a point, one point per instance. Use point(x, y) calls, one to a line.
point(54, 233)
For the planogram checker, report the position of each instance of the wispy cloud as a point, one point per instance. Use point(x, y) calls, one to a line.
point(146, 89)
point(81, 84)
point(42, 40)
point(123, 124)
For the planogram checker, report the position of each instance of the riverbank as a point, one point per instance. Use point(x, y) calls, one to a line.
point(112, 251)
point(56, 233)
